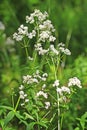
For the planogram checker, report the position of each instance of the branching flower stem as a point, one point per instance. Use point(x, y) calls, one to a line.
point(58, 109)
point(17, 104)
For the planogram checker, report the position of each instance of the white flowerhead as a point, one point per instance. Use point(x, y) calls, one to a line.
point(59, 90)
point(21, 87)
point(26, 100)
point(65, 89)
point(47, 105)
point(41, 93)
point(56, 83)
point(74, 82)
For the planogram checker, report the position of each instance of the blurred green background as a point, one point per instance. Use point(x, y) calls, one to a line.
point(70, 20)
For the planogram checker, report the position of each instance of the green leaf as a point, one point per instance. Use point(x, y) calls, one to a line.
point(30, 126)
point(42, 123)
point(83, 120)
point(27, 116)
point(77, 128)
point(17, 114)
point(34, 1)
point(6, 107)
point(9, 117)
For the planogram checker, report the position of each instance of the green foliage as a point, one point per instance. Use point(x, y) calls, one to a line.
point(70, 21)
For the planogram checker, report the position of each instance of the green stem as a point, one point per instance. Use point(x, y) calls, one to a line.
point(38, 122)
point(17, 104)
point(67, 44)
point(26, 50)
point(58, 109)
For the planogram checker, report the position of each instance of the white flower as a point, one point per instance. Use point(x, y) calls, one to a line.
point(29, 19)
point(42, 51)
point(21, 92)
point(22, 104)
point(52, 39)
point(17, 37)
point(9, 41)
point(32, 34)
point(67, 51)
point(65, 89)
point(2, 27)
point(74, 81)
point(45, 75)
point(56, 83)
point(44, 86)
point(61, 44)
point(22, 97)
point(26, 100)
point(59, 90)
point(41, 93)
point(21, 87)
point(44, 35)
point(54, 50)
point(47, 105)
point(40, 16)
point(30, 58)
point(22, 30)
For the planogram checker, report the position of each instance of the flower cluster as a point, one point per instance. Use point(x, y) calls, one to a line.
point(56, 83)
point(23, 96)
point(39, 48)
point(74, 82)
point(34, 78)
point(43, 26)
point(65, 91)
point(47, 105)
point(22, 31)
point(41, 93)
point(63, 49)
point(36, 14)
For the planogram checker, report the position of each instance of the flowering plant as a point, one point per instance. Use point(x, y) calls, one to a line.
point(41, 92)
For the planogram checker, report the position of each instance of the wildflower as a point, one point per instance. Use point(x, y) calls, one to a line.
point(61, 44)
point(21, 94)
point(17, 37)
point(40, 50)
point(45, 75)
point(30, 19)
point(21, 87)
point(74, 81)
point(39, 15)
point(65, 50)
point(9, 41)
point(41, 93)
point(52, 39)
point(30, 58)
point(32, 34)
point(54, 50)
point(44, 86)
point(65, 89)
point(2, 27)
point(47, 105)
point(44, 35)
point(26, 100)
point(59, 90)
point(56, 83)
point(29, 79)
point(22, 31)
